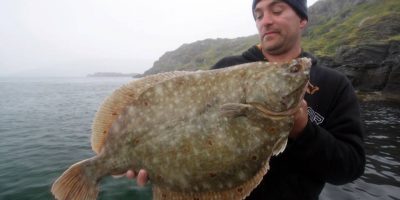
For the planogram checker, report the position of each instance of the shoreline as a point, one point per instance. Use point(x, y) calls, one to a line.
point(377, 96)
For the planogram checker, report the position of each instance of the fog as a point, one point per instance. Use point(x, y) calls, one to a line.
point(78, 37)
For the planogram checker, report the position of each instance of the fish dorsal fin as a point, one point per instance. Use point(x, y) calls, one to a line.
point(236, 193)
point(113, 105)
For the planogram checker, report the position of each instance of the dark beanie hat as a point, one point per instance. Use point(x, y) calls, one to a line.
point(300, 6)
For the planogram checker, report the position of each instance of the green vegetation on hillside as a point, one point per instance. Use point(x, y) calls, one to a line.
point(201, 54)
point(374, 22)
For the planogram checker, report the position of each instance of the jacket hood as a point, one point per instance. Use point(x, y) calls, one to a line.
point(255, 54)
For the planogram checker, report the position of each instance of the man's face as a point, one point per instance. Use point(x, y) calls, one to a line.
point(279, 27)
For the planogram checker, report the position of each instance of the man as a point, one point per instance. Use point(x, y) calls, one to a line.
point(326, 143)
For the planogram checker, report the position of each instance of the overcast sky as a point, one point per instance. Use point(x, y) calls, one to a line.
point(77, 37)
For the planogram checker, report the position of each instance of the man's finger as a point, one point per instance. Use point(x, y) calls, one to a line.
point(303, 104)
point(130, 174)
point(142, 177)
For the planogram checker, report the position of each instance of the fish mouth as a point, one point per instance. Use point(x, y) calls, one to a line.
point(290, 111)
point(302, 88)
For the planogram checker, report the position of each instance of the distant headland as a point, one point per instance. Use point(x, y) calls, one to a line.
point(112, 74)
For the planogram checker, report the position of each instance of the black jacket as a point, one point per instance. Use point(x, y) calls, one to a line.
point(331, 146)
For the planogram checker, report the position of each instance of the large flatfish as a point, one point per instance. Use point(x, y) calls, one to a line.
point(200, 135)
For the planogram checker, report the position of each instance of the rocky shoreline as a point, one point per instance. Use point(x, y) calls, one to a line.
point(373, 69)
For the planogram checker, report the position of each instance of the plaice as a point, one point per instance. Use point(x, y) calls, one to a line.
point(200, 135)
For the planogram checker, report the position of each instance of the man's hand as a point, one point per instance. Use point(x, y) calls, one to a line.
point(300, 120)
point(141, 177)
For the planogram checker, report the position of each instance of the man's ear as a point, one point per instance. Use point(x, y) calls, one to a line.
point(303, 23)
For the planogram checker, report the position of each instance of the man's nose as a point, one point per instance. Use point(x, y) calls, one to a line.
point(267, 19)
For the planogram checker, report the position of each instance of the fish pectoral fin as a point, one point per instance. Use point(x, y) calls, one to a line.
point(279, 147)
point(233, 110)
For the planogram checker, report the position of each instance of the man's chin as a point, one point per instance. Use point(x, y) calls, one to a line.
point(270, 42)
point(273, 50)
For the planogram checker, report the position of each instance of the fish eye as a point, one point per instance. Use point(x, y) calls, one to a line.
point(295, 68)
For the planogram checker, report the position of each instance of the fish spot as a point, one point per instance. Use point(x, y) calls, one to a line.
point(158, 177)
point(186, 149)
point(136, 141)
point(146, 103)
point(271, 129)
point(242, 176)
point(206, 186)
point(212, 175)
point(114, 113)
point(240, 190)
point(116, 128)
point(254, 157)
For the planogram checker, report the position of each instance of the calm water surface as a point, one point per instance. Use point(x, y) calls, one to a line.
point(45, 127)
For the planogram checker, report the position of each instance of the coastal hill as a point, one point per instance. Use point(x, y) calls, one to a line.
point(360, 38)
point(201, 54)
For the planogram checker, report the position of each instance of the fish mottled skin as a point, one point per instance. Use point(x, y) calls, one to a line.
point(199, 135)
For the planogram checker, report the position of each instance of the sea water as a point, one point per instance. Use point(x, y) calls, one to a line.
point(45, 126)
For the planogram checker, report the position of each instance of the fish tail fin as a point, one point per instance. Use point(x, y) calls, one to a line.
point(76, 183)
